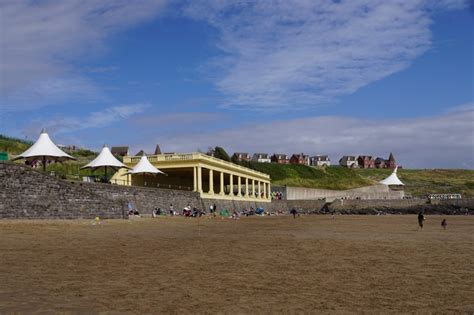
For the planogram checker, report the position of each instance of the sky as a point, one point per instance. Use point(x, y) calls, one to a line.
point(328, 77)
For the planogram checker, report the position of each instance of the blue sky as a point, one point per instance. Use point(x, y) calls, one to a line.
point(320, 77)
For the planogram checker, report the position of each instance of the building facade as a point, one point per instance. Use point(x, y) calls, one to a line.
point(320, 161)
point(280, 158)
point(299, 158)
point(366, 161)
point(348, 161)
point(212, 178)
point(261, 158)
point(241, 156)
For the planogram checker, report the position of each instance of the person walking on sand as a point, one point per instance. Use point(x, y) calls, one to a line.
point(293, 212)
point(444, 224)
point(421, 219)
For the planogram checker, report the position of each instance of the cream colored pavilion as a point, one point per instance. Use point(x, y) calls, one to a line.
point(212, 178)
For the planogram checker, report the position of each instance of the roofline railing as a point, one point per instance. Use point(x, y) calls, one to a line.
point(187, 157)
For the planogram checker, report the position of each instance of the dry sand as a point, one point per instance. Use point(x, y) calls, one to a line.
point(253, 265)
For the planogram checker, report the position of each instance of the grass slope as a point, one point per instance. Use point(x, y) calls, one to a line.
point(305, 176)
point(12, 145)
point(418, 182)
point(428, 181)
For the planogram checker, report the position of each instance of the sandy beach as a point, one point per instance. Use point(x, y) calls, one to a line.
point(255, 264)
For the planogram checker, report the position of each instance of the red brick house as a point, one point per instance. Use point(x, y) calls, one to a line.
point(380, 163)
point(280, 158)
point(240, 156)
point(300, 158)
point(366, 161)
point(391, 163)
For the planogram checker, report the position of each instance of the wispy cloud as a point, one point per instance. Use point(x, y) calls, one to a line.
point(446, 140)
point(40, 40)
point(304, 53)
point(99, 119)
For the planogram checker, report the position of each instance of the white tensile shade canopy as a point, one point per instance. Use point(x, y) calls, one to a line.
point(44, 149)
point(105, 159)
point(393, 179)
point(144, 167)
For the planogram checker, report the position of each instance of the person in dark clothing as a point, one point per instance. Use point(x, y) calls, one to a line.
point(421, 219)
point(293, 212)
point(444, 224)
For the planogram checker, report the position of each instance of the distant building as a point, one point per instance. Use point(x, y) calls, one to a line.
point(261, 158)
point(320, 160)
point(120, 151)
point(383, 163)
point(348, 161)
point(380, 163)
point(299, 158)
point(240, 156)
point(157, 149)
point(366, 161)
point(391, 163)
point(280, 158)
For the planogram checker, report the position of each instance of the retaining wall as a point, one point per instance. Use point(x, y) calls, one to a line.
point(27, 193)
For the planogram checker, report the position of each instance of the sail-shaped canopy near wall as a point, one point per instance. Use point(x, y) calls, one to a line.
point(393, 179)
point(44, 149)
point(144, 167)
point(105, 159)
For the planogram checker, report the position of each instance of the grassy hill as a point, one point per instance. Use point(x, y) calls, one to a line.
point(418, 182)
point(305, 176)
point(12, 145)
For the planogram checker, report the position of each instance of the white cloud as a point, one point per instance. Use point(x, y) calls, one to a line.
point(304, 53)
point(438, 141)
point(99, 119)
point(40, 40)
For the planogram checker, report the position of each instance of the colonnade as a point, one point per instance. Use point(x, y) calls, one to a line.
point(247, 187)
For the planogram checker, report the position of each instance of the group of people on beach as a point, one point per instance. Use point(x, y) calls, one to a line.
point(422, 218)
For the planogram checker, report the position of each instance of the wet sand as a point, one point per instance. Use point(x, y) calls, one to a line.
point(269, 264)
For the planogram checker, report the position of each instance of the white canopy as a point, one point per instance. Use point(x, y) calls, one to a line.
point(392, 179)
point(104, 159)
point(44, 148)
point(144, 166)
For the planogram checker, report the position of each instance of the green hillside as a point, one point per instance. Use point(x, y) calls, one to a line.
point(418, 182)
point(12, 145)
point(311, 177)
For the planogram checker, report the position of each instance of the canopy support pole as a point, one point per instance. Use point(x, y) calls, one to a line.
point(44, 163)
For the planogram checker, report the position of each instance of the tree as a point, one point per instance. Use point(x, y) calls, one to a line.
point(220, 153)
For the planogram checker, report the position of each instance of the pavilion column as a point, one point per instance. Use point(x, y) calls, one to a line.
point(211, 182)
point(269, 191)
point(199, 179)
point(195, 188)
point(264, 190)
point(246, 187)
point(239, 186)
point(231, 186)
point(253, 188)
point(259, 190)
point(221, 192)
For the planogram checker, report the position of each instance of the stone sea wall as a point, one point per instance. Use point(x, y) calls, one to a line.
point(27, 193)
